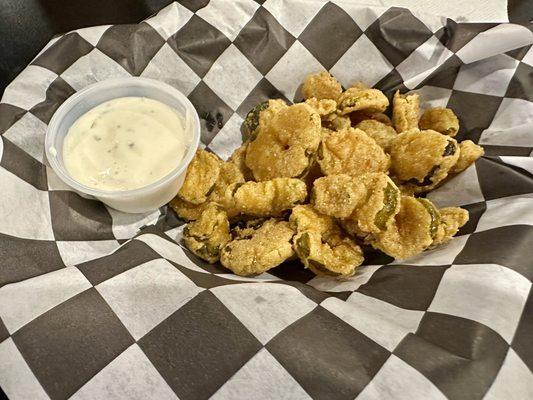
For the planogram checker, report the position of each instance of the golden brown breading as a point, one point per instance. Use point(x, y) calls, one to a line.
point(287, 145)
point(259, 249)
point(229, 174)
point(336, 122)
point(267, 198)
point(381, 133)
point(186, 210)
point(259, 116)
point(321, 245)
point(201, 176)
point(208, 234)
point(369, 100)
point(412, 230)
point(440, 119)
point(359, 116)
point(422, 159)
point(405, 111)
point(238, 158)
point(469, 152)
point(321, 86)
point(337, 195)
point(451, 219)
point(322, 107)
point(351, 151)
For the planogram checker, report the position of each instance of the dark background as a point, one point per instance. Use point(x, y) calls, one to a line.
point(27, 25)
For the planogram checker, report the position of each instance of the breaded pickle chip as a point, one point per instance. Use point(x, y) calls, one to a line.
point(321, 245)
point(238, 158)
point(337, 195)
point(359, 116)
point(442, 120)
point(351, 151)
point(412, 230)
point(336, 122)
point(469, 153)
point(451, 219)
point(322, 107)
point(258, 250)
point(208, 234)
point(405, 111)
point(321, 86)
point(287, 145)
point(422, 159)
point(381, 133)
point(267, 198)
point(200, 179)
point(369, 100)
point(259, 116)
point(186, 210)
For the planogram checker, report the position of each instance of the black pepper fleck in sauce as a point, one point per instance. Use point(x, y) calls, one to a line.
point(97, 138)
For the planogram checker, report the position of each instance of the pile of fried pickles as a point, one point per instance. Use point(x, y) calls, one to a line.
point(319, 179)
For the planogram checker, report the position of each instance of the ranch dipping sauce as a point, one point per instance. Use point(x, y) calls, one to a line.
point(125, 143)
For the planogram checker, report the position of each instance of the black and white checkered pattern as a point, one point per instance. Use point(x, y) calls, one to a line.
point(98, 304)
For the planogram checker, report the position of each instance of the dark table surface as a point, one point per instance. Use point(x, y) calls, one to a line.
point(27, 25)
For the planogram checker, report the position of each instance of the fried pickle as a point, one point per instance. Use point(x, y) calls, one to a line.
point(351, 151)
point(322, 107)
point(321, 245)
point(321, 86)
point(405, 111)
point(259, 116)
point(337, 195)
point(287, 145)
point(469, 152)
point(200, 178)
point(422, 159)
point(412, 230)
point(258, 249)
point(267, 198)
point(381, 133)
point(368, 100)
point(451, 219)
point(208, 234)
point(442, 120)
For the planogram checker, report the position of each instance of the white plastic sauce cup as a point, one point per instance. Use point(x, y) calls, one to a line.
point(139, 200)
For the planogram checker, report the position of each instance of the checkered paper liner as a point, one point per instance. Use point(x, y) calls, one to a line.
point(97, 304)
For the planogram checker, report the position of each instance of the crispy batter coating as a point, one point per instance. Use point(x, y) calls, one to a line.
point(412, 231)
point(337, 195)
point(267, 198)
point(322, 107)
point(321, 86)
point(381, 133)
point(351, 151)
point(440, 119)
point(209, 234)
point(259, 116)
point(369, 100)
point(405, 111)
point(422, 159)
point(336, 122)
point(321, 245)
point(287, 145)
point(201, 176)
point(186, 210)
point(359, 116)
point(258, 250)
point(238, 157)
point(451, 219)
point(469, 152)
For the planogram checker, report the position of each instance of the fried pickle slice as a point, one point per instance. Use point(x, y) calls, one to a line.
point(368, 100)
point(336, 122)
point(321, 86)
point(267, 198)
point(359, 116)
point(337, 195)
point(208, 234)
point(200, 178)
point(321, 245)
point(238, 158)
point(405, 111)
point(469, 154)
point(451, 219)
point(322, 107)
point(186, 210)
point(412, 231)
point(256, 250)
point(287, 145)
point(351, 151)
point(380, 132)
point(442, 120)
point(259, 116)
point(422, 159)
